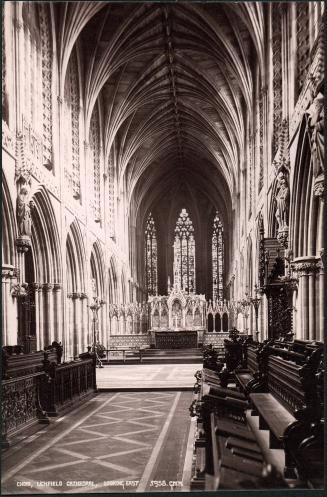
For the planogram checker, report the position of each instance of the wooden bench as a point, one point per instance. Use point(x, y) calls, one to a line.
point(289, 407)
point(250, 379)
point(69, 383)
point(233, 463)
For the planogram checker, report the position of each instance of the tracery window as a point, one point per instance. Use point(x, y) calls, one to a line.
point(95, 157)
point(151, 256)
point(184, 253)
point(217, 259)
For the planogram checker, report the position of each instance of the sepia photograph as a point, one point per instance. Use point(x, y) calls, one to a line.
point(163, 236)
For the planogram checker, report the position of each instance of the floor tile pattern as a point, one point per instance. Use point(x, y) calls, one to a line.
point(119, 445)
point(147, 376)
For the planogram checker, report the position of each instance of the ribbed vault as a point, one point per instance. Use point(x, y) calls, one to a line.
point(175, 85)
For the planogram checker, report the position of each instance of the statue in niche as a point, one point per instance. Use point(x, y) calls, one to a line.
point(23, 211)
point(282, 201)
point(316, 124)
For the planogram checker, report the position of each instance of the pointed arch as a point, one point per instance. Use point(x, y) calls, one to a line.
point(75, 251)
point(45, 239)
point(98, 269)
point(112, 286)
point(184, 252)
point(77, 336)
point(9, 228)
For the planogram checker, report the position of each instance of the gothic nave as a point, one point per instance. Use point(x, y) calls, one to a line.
point(162, 225)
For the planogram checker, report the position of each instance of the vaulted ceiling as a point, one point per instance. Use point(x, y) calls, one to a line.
point(175, 82)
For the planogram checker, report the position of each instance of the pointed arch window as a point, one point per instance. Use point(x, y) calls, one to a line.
point(151, 256)
point(184, 253)
point(217, 259)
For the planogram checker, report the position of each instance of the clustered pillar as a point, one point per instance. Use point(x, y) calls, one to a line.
point(310, 297)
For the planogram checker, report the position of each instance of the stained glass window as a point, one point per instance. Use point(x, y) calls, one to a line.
point(184, 253)
point(217, 259)
point(151, 256)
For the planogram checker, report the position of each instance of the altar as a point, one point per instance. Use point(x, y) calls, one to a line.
point(177, 320)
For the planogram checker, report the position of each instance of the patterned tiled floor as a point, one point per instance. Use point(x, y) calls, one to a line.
point(147, 376)
point(120, 442)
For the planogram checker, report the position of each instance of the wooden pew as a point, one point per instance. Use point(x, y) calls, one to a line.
point(15, 363)
point(69, 383)
point(288, 408)
point(251, 379)
point(232, 464)
point(23, 380)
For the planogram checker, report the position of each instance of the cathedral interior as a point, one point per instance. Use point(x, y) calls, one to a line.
point(162, 246)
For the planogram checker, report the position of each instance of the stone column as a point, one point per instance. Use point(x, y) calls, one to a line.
point(9, 321)
point(57, 313)
point(84, 332)
point(39, 302)
point(68, 330)
point(48, 314)
point(76, 321)
point(306, 269)
point(320, 301)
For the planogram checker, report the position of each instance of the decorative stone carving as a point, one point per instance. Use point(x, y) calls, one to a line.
point(282, 208)
point(319, 186)
point(19, 291)
point(47, 287)
point(23, 244)
point(303, 268)
point(23, 210)
point(316, 117)
point(282, 158)
point(314, 76)
point(8, 141)
point(24, 165)
point(8, 272)
point(261, 251)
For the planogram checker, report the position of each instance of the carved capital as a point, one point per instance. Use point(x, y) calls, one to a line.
point(83, 295)
point(57, 287)
point(8, 272)
point(319, 186)
point(304, 268)
point(47, 287)
point(19, 291)
point(23, 244)
point(74, 295)
point(36, 287)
